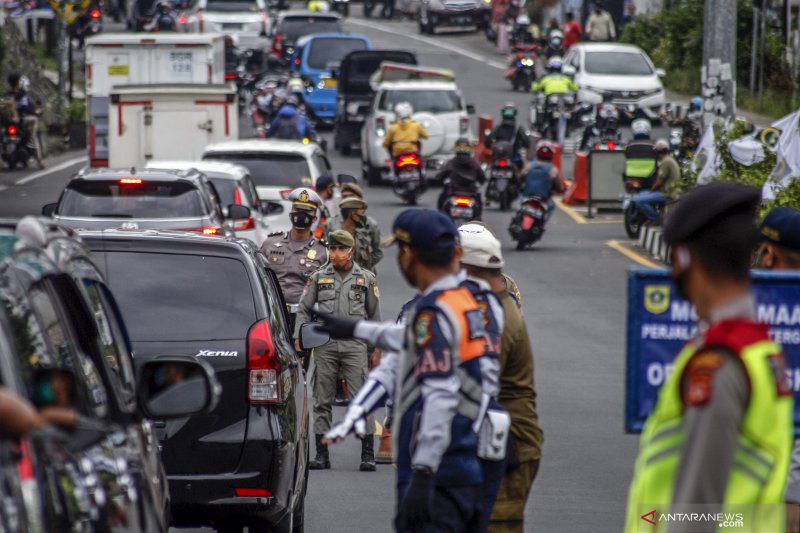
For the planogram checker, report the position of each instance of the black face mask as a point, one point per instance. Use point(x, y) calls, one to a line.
point(301, 220)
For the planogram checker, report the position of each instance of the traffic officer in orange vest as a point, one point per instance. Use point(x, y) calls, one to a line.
point(720, 435)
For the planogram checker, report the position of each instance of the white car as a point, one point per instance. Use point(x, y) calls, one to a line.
point(277, 167)
point(623, 71)
point(438, 106)
point(245, 20)
point(234, 186)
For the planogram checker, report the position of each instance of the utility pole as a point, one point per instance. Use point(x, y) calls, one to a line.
point(718, 73)
point(63, 64)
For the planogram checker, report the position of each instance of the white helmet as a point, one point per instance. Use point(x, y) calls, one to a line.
point(523, 20)
point(640, 127)
point(403, 110)
point(661, 145)
point(295, 85)
point(481, 248)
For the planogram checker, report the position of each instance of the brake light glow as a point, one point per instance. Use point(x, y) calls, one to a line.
point(130, 181)
point(277, 43)
point(380, 126)
point(503, 163)
point(11, 130)
point(405, 160)
point(264, 365)
point(463, 201)
point(183, 19)
point(210, 231)
point(95, 14)
point(612, 145)
point(230, 76)
point(243, 492)
point(245, 224)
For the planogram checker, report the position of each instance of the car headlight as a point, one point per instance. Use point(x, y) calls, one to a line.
point(651, 92)
point(352, 108)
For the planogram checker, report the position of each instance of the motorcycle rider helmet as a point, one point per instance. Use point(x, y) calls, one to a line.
point(463, 147)
point(545, 151)
point(555, 64)
point(509, 112)
point(292, 100)
point(556, 38)
point(661, 146)
point(641, 128)
point(403, 110)
point(695, 104)
point(523, 21)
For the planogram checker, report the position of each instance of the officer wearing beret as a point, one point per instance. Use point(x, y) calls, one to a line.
point(353, 218)
point(720, 434)
point(295, 254)
point(351, 190)
point(344, 289)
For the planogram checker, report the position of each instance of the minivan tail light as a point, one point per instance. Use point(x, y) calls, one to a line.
point(246, 492)
point(277, 43)
point(244, 224)
point(263, 364)
point(463, 125)
point(380, 126)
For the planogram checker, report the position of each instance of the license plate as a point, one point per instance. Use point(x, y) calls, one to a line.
point(329, 83)
point(231, 26)
point(181, 64)
point(534, 212)
point(502, 174)
point(408, 175)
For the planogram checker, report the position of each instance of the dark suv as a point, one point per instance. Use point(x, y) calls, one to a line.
point(96, 466)
point(143, 199)
point(216, 299)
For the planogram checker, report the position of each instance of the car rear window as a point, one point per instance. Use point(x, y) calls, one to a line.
point(226, 189)
point(429, 101)
point(158, 296)
point(271, 170)
point(294, 28)
point(619, 63)
point(136, 199)
point(232, 6)
point(331, 49)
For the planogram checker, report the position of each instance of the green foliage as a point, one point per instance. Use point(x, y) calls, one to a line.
point(76, 112)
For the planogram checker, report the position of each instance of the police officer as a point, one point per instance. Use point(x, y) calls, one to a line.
point(350, 190)
point(353, 218)
point(436, 382)
point(295, 254)
point(325, 188)
point(721, 431)
point(344, 289)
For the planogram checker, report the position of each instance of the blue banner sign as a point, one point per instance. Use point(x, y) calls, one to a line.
point(660, 322)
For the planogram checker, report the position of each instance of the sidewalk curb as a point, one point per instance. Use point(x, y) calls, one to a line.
point(651, 239)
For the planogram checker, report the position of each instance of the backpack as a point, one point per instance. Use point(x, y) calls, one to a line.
point(287, 128)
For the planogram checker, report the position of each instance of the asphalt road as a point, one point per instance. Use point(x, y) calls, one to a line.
point(573, 286)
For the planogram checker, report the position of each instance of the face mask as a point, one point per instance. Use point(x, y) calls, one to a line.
point(362, 221)
point(301, 220)
point(340, 259)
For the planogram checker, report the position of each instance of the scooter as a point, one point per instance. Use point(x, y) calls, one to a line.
point(408, 183)
point(522, 70)
point(633, 217)
point(461, 208)
point(87, 24)
point(14, 148)
point(502, 187)
point(528, 224)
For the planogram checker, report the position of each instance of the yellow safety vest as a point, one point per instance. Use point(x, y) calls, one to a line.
point(761, 463)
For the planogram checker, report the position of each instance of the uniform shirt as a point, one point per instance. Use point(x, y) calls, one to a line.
point(368, 251)
point(293, 262)
point(349, 294)
point(402, 137)
point(669, 173)
point(555, 84)
point(513, 290)
point(517, 388)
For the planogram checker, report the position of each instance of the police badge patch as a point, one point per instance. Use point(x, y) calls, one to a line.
point(422, 329)
point(475, 324)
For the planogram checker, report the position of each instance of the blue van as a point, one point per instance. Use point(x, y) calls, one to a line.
point(320, 59)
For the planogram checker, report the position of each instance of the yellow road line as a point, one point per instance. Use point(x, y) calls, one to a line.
point(574, 215)
point(630, 254)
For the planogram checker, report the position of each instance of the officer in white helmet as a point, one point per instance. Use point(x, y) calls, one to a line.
point(405, 133)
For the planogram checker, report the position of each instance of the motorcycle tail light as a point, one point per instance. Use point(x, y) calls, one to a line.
point(405, 160)
point(95, 14)
point(502, 163)
point(11, 130)
point(183, 19)
point(230, 75)
point(463, 201)
point(612, 145)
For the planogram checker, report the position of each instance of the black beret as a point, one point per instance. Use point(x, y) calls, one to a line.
point(706, 204)
point(782, 226)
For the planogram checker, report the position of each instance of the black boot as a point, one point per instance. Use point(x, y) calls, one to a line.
point(367, 454)
point(322, 461)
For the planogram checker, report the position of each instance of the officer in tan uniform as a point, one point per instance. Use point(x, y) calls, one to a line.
point(295, 254)
point(353, 218)
point(344, 289)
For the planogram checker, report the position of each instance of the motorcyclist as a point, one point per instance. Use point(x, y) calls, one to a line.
point(290, 123)
point(555, 44)
point(143, 11)
point(462, 175)
point(667, 177)
point(541, 176)
point(554, 82)
point(690, 124)
point(640, 154)
point(605, 124)
point(403, 136)
point(509, 131)
point(28, 112)
point(297, 88)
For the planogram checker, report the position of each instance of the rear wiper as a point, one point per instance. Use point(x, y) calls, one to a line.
point(110, 215)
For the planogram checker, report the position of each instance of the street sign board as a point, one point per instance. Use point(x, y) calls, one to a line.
point(660, 322)
point(69, 10)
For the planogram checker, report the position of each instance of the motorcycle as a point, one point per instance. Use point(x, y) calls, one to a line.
point(528, 224)
point(15, 149)
point(675, 142)
point(603, 131)
point(408, 183)
point(553, 116)
point(87, 24)
point(462, 208)
point(633, 216)
point(555, 45)
point(522, 70)
point(165, 19)
point(502, 187)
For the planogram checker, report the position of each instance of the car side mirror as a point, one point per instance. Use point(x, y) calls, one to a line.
point(470, 109)
point(237, 212)
point(569, 70)
point(176, 387)
point(346, 178)
point(661, 73)
point(312, 337)
point(269, 207)
point(49, 209)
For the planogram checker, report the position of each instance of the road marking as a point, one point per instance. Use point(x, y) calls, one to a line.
point(574, 215)
point(61, 166)
point(431, 42)
point(630, 254)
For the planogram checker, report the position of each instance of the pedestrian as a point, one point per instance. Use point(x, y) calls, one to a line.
point(600, 25)
point(572, 30)
point(483, 259)
point(630, 14)
point(325, 188)
point(780, 250)
point(343, 289)
point(353, 218)
point(293, 255)
point(720, 435)
point(436, 379)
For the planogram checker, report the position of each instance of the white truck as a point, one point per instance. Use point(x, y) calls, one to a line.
point(168, 122)
point(143, 59)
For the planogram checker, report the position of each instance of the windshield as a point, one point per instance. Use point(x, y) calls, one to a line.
point(232, 6)
point(327, 50)
point(430, 101)
point(617, 63)
point(271, 170)
point(160, 302)
point(294, 28)
point(138, 199)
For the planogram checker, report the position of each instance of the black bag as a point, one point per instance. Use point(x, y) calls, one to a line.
point(512, 453)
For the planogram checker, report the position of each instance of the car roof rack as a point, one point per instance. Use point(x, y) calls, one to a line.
point(389, 71)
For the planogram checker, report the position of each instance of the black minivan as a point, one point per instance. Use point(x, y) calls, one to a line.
point(96, 465)
point(216, 299)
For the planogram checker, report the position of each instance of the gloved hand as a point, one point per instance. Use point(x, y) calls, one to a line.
point(416, 508)
point(338, 328)
point(353, 422)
